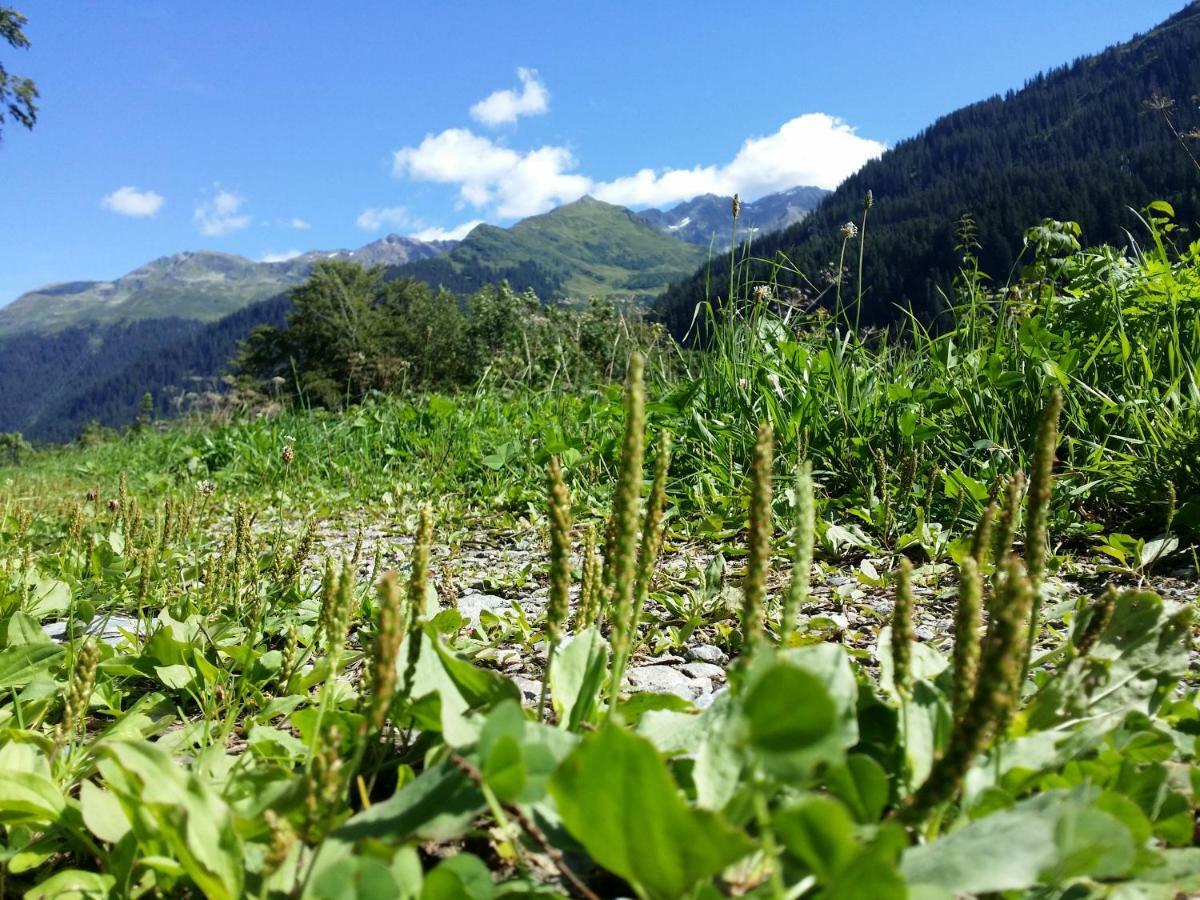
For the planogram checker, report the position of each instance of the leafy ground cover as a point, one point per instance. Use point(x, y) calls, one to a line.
point(792, 625)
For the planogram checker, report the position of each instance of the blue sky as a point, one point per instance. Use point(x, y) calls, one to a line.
point(263, 128)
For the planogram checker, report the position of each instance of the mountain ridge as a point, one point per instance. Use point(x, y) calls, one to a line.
point(1075, 143)
point(197, 285)
point(705, 220)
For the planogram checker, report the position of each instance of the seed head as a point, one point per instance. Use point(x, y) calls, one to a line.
point(1098, 621)
point(206, 488)
point(622, 562)
point(803, 535)
point(287, 455)
point(902, 631)
point(849, 231)
point(869, 200)
point(968, 618)
point(737, 206)
point(560, 551)
point(389, 635)
point(754, 592)
point(1040, 487)
point(995, 695)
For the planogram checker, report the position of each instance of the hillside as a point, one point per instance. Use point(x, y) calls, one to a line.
point(87, 351)
point(52, 385)
point(704, 220)
point(582, 249)
point(192, 286)
point(1075, 143)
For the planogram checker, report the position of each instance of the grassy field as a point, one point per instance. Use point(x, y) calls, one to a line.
point(453, 645)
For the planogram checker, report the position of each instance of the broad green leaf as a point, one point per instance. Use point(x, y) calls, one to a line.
point(617, 798)
point(504, 769)
point(1134, 663)
point(479, 687)
point(50, 598)
point(176, 677)
point(24, 629)
point(351, 878)
point(29, 798)
point(1048, 839)
point(438, 805)
point(73, 884)
point(576, 677)
point(862, 785)
point(19, 665)
point(102, 813)
point(711, 739)
point(819, 833)
point(463, 876)
point(166, 803)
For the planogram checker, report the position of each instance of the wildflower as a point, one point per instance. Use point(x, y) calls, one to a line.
point(762, 293)
point(737, 206)
point(113, 506)
point(206, 488)
point(849, 231)
point(92, 495)
point(287, 455)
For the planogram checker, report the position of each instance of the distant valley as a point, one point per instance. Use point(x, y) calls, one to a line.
point(80, 351)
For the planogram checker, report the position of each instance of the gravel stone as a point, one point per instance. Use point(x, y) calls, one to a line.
point(473, 604)
point(665, 680)
point(702, 670)
point(707, 653)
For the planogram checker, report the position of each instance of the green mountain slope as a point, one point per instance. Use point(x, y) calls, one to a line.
point(583, 249)
point(1078, 143)
point(192, 286)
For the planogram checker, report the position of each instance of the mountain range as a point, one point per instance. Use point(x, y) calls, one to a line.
point(201, 286)
point(1086, 142)
point(82, 351)
point(706, 220)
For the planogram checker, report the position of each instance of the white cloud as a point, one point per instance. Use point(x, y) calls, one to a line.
point(222, 214)
point(373, 219)
point(813, 149)
point(505, 107)
point(280, 257)
point(447, 234)
point(490, 175)
point(299, 224)
point(129, 201)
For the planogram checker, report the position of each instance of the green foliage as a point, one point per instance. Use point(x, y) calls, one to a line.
point(351, 333)
point(223, 742)
point(1077, 143)
point(17, 95)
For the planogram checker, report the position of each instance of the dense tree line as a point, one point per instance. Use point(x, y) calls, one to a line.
point(1091, 142)
point(351, 331)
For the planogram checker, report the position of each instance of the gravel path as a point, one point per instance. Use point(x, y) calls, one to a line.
point(504, 574)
